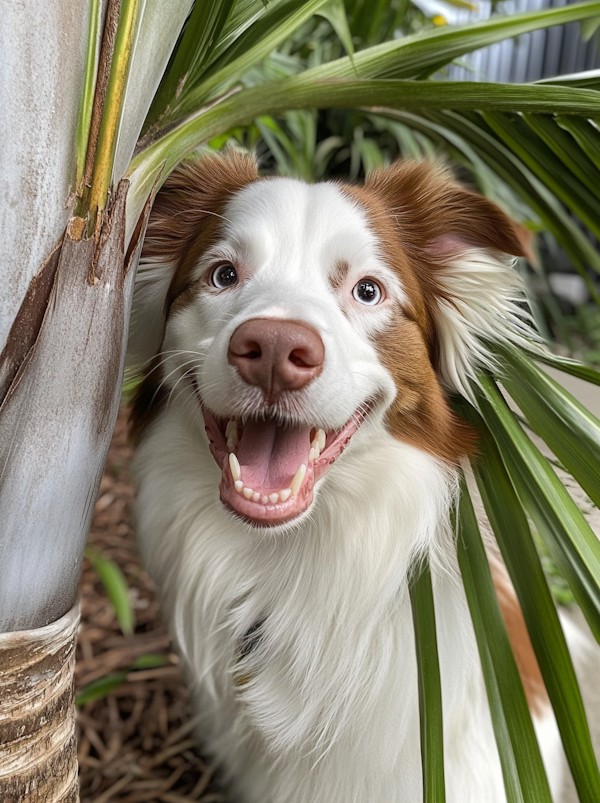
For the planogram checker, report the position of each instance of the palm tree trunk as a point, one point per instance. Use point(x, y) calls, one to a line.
point(38, 752)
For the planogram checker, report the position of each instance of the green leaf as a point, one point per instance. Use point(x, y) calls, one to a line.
point(252, 46)
point(566, 365)
point(203, 27)
point(427, 51)
point(513, 535)
point(295, 93)
point(104, 685)
point(150, 660)
point(571, 431)
point(567, 150)
point(113, 580)
point(590, 79)
point(529, 187)
point(335, 13)
point(430, 689)
point(589, 28)
point(585, 134)
point(543, 163)
point(100, 688)
point(524, 776)
point(566, 534)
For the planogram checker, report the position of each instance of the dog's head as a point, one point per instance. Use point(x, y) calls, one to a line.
point(292, 313)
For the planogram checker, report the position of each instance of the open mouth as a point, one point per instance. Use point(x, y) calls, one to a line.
point(269, 468)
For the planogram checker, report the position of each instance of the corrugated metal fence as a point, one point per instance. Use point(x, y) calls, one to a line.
point(542, 54)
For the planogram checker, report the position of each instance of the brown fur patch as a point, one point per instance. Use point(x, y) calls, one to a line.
point(184, 222)
point(533, 683)
point(422, 218)
point(339, 275)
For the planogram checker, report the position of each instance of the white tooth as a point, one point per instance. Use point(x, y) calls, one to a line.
point(238, 486)
point(298, 479)
point(320, 439)
point(273, 498)
point(264, 499)
point(312, 455)
point(285, 494)
point(255, 496)
point(234, 465)
point(229, 427)
point(247, 492)
point(231, 444)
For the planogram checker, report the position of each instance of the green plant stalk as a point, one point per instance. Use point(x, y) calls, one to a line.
point(129, 18)
point(522, 768)
point(87, 96)
point(514, 538)
point(430, 689)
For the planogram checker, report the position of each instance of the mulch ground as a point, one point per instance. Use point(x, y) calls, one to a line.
point(136, 744)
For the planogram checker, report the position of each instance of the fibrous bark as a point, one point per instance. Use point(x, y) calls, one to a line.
point(38, 755)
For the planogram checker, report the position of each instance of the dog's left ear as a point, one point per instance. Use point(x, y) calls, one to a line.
point(462, 250)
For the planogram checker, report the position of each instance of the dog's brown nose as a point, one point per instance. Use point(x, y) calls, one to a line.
point(276, 354)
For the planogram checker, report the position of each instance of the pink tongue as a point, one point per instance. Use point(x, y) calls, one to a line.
point(270, 455)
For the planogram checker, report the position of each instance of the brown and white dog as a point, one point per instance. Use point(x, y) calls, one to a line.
point(297, 454)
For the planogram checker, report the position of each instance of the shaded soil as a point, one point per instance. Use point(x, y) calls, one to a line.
point(136, 743)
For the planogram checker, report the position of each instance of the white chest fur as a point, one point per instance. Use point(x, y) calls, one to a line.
point(323, 708)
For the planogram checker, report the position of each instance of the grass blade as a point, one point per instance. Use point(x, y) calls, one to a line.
point(524, 776)
point(100, 688)
point(430, 689)
point(114, 582)
point(104, 685)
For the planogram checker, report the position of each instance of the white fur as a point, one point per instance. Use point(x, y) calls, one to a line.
point(324, 709)
point(486, 307)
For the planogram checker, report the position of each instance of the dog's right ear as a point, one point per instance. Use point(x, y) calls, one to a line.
point(186, 210)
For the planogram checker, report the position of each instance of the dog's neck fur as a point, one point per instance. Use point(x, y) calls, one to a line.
point(314, 695)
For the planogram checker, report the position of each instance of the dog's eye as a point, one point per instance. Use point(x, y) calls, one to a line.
point(367, 291)
point(224, 275)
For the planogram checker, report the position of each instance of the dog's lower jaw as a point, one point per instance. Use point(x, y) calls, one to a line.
point(323, 708)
